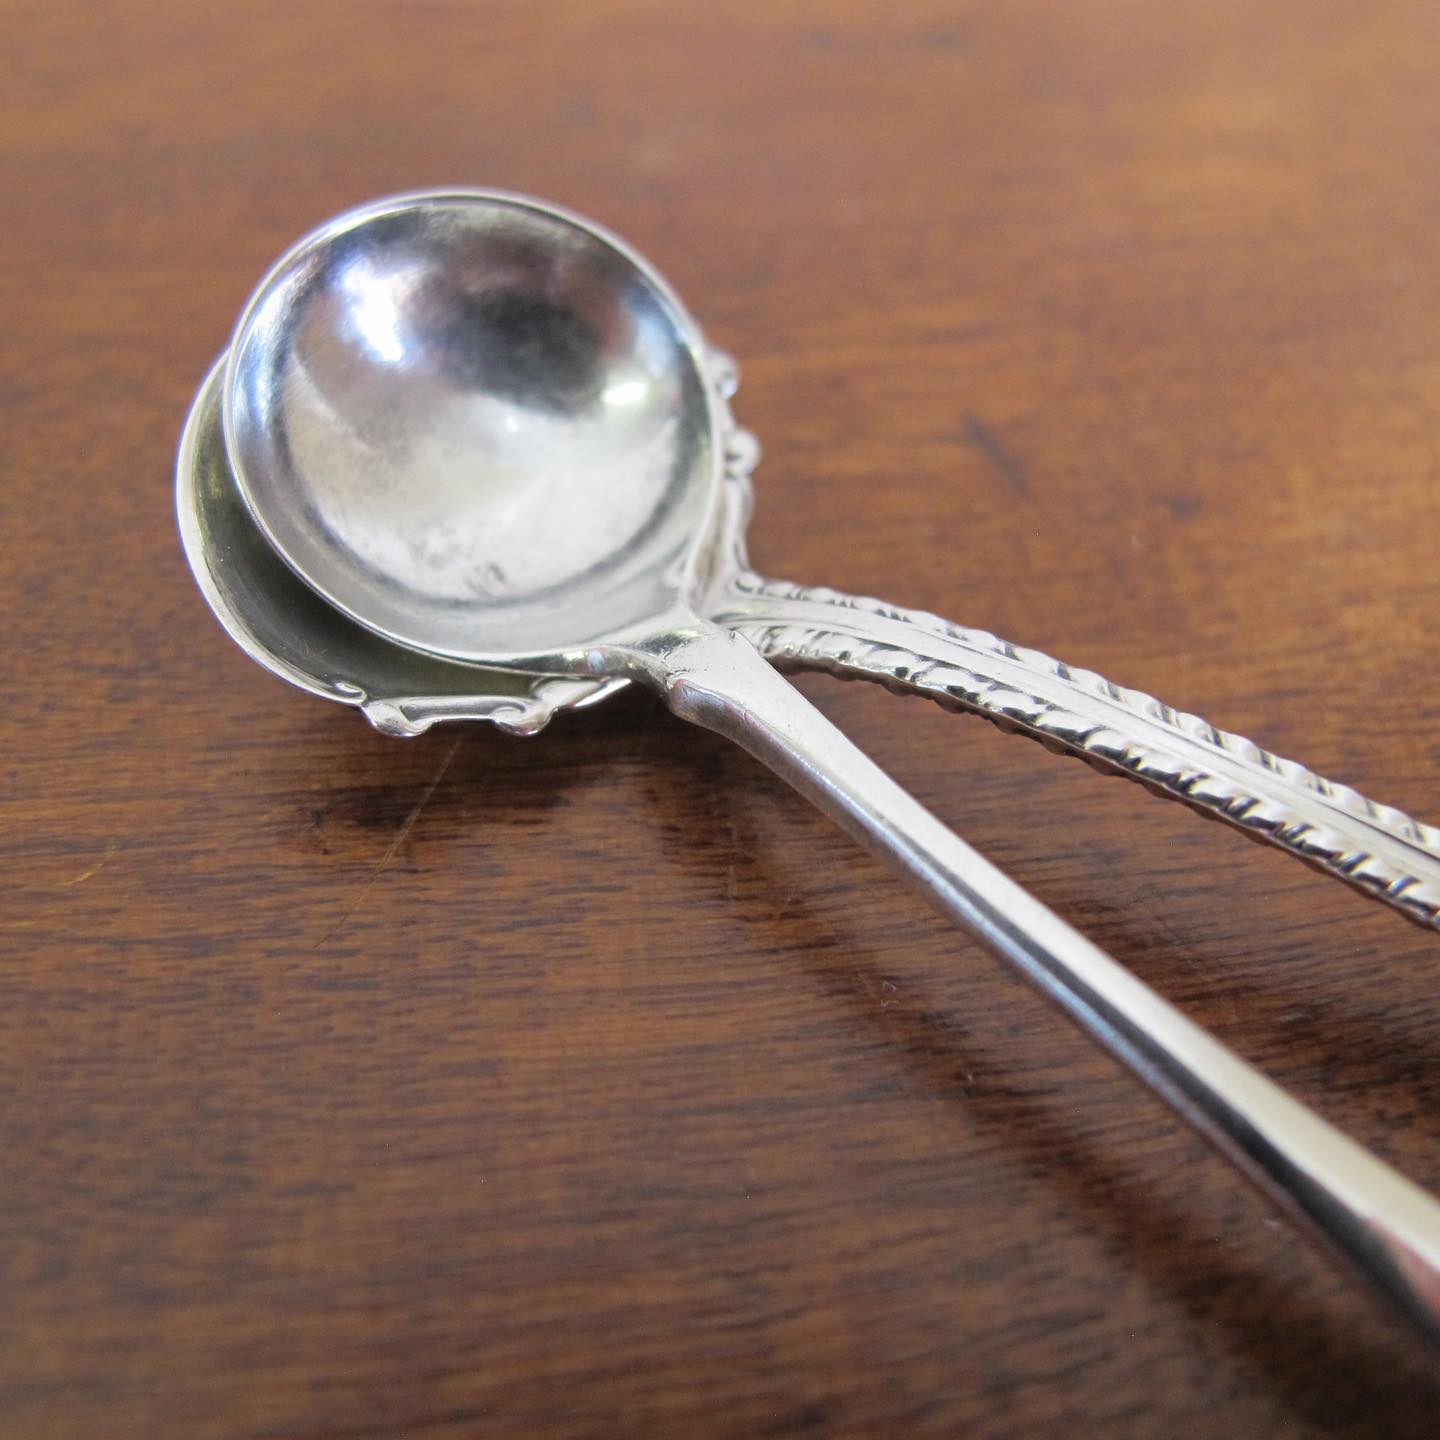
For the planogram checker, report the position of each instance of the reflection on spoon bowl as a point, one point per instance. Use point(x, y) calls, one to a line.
point(284, 625)
point(478, 425)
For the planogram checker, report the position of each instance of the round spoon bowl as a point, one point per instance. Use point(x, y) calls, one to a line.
point(478, 425)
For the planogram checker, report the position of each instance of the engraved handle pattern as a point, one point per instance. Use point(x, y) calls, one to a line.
point(1376, 848)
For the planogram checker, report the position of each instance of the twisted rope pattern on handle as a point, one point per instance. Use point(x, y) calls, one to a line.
point(1377, 848)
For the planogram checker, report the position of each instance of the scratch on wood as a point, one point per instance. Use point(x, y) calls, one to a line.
point(95, 869)
point(1005, 462)
point(406, 826)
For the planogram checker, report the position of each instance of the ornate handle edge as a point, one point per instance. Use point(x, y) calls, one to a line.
point(1376, 848)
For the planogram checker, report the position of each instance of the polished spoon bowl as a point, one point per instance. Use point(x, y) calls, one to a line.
point(479, 427)
point(487, 432)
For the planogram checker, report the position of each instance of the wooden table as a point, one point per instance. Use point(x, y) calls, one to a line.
point(594, 1086)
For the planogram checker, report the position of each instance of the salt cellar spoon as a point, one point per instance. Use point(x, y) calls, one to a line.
point(484, 433)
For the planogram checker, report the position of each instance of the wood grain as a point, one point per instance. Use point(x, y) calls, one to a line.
point(592, 1086)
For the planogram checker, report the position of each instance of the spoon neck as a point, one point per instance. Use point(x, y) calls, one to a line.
point(675, 651)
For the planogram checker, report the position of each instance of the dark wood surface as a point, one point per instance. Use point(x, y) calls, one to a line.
point(593, 1086)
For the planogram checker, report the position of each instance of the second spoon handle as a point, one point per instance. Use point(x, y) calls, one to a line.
point(1375, 847)
point(1385, 1227)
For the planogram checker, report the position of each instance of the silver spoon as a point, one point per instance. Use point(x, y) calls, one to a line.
point(487, 432)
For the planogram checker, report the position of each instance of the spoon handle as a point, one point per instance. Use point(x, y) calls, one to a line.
point(1385, 1227)
point(1376, 848)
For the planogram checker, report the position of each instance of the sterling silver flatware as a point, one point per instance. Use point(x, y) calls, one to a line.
point(468, 457)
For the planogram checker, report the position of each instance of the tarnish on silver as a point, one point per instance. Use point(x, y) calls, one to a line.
point(331, 447)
